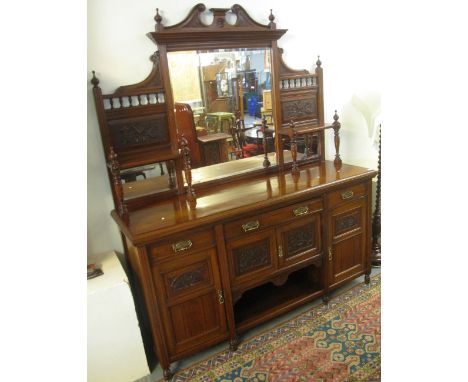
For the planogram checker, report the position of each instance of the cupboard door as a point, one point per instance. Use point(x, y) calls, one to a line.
point(193, 302)
point(299, 240)
point(252, 257)
point(347, 247)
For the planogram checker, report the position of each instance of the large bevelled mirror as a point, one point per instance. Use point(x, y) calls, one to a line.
point(212, 89)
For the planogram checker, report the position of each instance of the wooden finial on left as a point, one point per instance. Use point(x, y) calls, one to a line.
point(158, 20)
point(318, 63)
point(185, 151)
point(95, 80)
point(114, 168)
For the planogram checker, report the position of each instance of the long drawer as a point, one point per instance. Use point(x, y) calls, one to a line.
point(254, 223)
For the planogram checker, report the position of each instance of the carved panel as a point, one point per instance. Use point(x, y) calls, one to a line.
point(127, 133)
point(347, 222)
point(300, 239)
point(183, 279)
point(300, 108)
point(252, 257)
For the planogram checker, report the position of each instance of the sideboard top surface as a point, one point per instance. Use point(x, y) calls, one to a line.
point(233, 199)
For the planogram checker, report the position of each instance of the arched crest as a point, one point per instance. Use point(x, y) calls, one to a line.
point(193, 33)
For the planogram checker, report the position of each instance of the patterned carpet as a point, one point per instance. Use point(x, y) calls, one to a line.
point(338, 343)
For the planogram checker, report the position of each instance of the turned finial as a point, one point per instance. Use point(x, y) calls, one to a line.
point(158, 20)
point(185, 151)
point(336, 127)
point(318, 63)
point(271, 17)
point(112, 156)
point(94, 80)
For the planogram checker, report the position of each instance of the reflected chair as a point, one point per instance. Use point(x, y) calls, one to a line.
point(186, 125)
point(241, 148)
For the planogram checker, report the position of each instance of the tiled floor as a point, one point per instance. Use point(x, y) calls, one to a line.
point(157, 372)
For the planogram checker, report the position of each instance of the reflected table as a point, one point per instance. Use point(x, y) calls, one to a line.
point(214, 148)
point(219, 122)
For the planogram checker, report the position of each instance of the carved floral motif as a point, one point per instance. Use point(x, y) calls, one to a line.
point(347, 222)
point(187, 279)
point(300, 239)
point(251, 257)
point(140, 132)
point(299, 109)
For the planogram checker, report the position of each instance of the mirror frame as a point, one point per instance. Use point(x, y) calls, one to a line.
point(193, 34)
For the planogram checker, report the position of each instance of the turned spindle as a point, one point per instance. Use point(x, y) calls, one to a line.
point(336, 128)
point(376, 243)
point(185, 151)
point(264, 128)
point(293, 138)
point(114, 167)
point(158, 20)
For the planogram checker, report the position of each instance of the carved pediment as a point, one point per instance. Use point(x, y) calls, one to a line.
point(222, 28)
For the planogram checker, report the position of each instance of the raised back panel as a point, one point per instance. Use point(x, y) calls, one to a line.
point(134, 121)
point(299, 96)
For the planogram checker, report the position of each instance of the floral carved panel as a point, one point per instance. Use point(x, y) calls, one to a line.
point(148, 131)
point(251, 257)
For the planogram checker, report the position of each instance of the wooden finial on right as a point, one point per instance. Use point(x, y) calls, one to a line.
point(318, 63)
point(272, 24)
point(336, 127)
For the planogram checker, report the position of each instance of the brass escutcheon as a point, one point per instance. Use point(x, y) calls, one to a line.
point(300, 211)
point(220, 297)
point(347, 194)
point(250, 226)
point(182, 245)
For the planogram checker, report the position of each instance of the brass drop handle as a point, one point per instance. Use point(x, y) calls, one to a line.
point(300, 211)
point(251, 226)
point(330, 254)
point(220, 297)
point(347, 194)
point(280, 251)
point(182, 245)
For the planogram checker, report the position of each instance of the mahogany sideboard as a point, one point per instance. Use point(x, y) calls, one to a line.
point(218, 249)
point(247, 252)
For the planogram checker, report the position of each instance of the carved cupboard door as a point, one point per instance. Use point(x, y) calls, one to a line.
point(252, 256)
point(299, 240)
point(193, 310)
point(347, 247)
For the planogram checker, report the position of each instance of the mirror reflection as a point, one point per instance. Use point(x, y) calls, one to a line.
point(160, 176)
point(221, 98)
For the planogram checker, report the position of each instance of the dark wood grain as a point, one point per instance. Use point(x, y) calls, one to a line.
point(216, 250)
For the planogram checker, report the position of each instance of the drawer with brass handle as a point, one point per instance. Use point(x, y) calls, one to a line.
point(345, 194)
point(272, 218)
point(182, 245)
